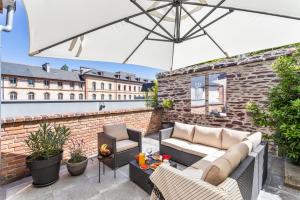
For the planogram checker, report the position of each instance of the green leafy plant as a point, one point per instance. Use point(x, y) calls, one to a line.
point(167, 104)
point(152, 96)
point(282, 112)
point(47, 141)
point(76, 151)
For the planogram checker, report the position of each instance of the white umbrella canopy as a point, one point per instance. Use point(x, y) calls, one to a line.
point(165, 34)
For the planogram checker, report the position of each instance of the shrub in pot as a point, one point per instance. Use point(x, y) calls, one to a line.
point(77, 163)
point(46, 147)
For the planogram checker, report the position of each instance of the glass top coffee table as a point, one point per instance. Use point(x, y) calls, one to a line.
point(141, 177)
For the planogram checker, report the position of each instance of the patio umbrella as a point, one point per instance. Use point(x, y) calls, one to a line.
point(166, 34)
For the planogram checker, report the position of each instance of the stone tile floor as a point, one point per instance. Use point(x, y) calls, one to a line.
point(86, 187)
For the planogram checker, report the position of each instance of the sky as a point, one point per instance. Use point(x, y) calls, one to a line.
point(15, 46)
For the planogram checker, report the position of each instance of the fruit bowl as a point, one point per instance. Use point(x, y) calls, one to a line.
point(104, 150)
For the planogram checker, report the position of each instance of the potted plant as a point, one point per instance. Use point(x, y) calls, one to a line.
point(167, 104)
point(77, 163)
point(46, 147)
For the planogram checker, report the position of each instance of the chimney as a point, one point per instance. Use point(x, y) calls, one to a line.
point(46, 67)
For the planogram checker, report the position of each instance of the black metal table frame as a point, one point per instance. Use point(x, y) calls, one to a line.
point(101, 159)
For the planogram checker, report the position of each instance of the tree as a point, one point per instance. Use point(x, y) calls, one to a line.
point(282, 113)
point(65, 67)
point(152, 96)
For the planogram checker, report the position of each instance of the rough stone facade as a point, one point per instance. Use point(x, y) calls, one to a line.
point(248, 79)
point(82, 125)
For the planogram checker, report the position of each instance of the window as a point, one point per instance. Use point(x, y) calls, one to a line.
point(94, 96)
point(94, 87)
point(139, 88)
point(13, 96)
point(134, 96)
point(31, 82)
point(102, 86)
point(110, 97)
point(46, 83)
point(72, 86)
point(13, 81)
point(119, 87)
point(102, 96)
point(134, 88)
point(46, 96)
point(130, 97)
point(110, 86)
point(119, 97)
point(124, 87)
point(124, 97)
point(30, 96)
point(80, 85)
point(60, 84)
point(80, 96)
point(208, 94)
point(129, 88)
point(60, 96)
point(72, 96)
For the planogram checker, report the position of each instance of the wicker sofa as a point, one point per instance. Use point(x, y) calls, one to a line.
point(200, 148)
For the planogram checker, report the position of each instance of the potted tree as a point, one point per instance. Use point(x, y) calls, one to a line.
point(46, 147)
point(167, 104)
point(77, 163)
point(282, 112)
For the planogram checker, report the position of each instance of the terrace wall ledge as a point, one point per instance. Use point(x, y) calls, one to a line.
point(19, 119)
point(229, 62)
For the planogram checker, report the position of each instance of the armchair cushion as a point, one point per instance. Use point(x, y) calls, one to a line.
point(118, 131)
point(124, 145)
point(183, 131)
point(231, 137)
point(208, 136)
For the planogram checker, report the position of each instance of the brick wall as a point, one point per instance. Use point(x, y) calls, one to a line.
point(248, 79)
point(83, 126)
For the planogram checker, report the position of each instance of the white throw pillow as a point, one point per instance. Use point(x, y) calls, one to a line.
point(183, 131)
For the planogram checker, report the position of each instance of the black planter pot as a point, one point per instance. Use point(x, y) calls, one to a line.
point(44, 172)
point(76, 169)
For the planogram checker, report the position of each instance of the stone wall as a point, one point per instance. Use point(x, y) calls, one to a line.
point(248, 79)
point(83, 126)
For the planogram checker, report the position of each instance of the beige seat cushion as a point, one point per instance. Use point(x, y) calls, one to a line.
point(242, 148)
point(231, 137)
point(208, 136)
point(118, 131)
point(255, 138)
point(199, 149)
point(175, 143)
point(183, 131)
point(123, 145)
point(193, 173)
point(217, 172)
point(207, 160)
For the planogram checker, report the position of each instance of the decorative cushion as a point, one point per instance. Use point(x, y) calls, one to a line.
point(183, 131)
point(240, 148)
point(199, 149)
point(233, 157)
point(217, 172)
point(125, 145)
point(208, 136)
point(175, 143)
point(118, 131)
point(255, 138)
point(231, 137)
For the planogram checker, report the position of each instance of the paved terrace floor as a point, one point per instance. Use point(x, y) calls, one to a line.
point(86, 186)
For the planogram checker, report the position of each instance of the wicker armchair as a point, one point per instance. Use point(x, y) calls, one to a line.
point(124, 150)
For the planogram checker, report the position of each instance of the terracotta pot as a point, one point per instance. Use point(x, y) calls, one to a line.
point(76, 169)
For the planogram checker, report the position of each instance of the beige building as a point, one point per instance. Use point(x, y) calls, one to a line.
point(23, 82)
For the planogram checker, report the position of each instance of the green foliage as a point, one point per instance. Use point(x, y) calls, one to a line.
point(152, 96)
point(283, 108)
point(65, 67)
point(47, 141)
point(167, 103)
point(76, 151)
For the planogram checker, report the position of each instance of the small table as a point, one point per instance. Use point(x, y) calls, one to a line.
point(141, 177)
point(101, 159)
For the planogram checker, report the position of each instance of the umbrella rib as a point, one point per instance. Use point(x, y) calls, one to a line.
point(207, 15)
point(243, 10)
point(152, 18)
point(97, 28)
point(205, 32)
point(145, 38)
point(142, 27)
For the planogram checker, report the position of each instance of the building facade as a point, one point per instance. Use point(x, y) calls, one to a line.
point(23, 83)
